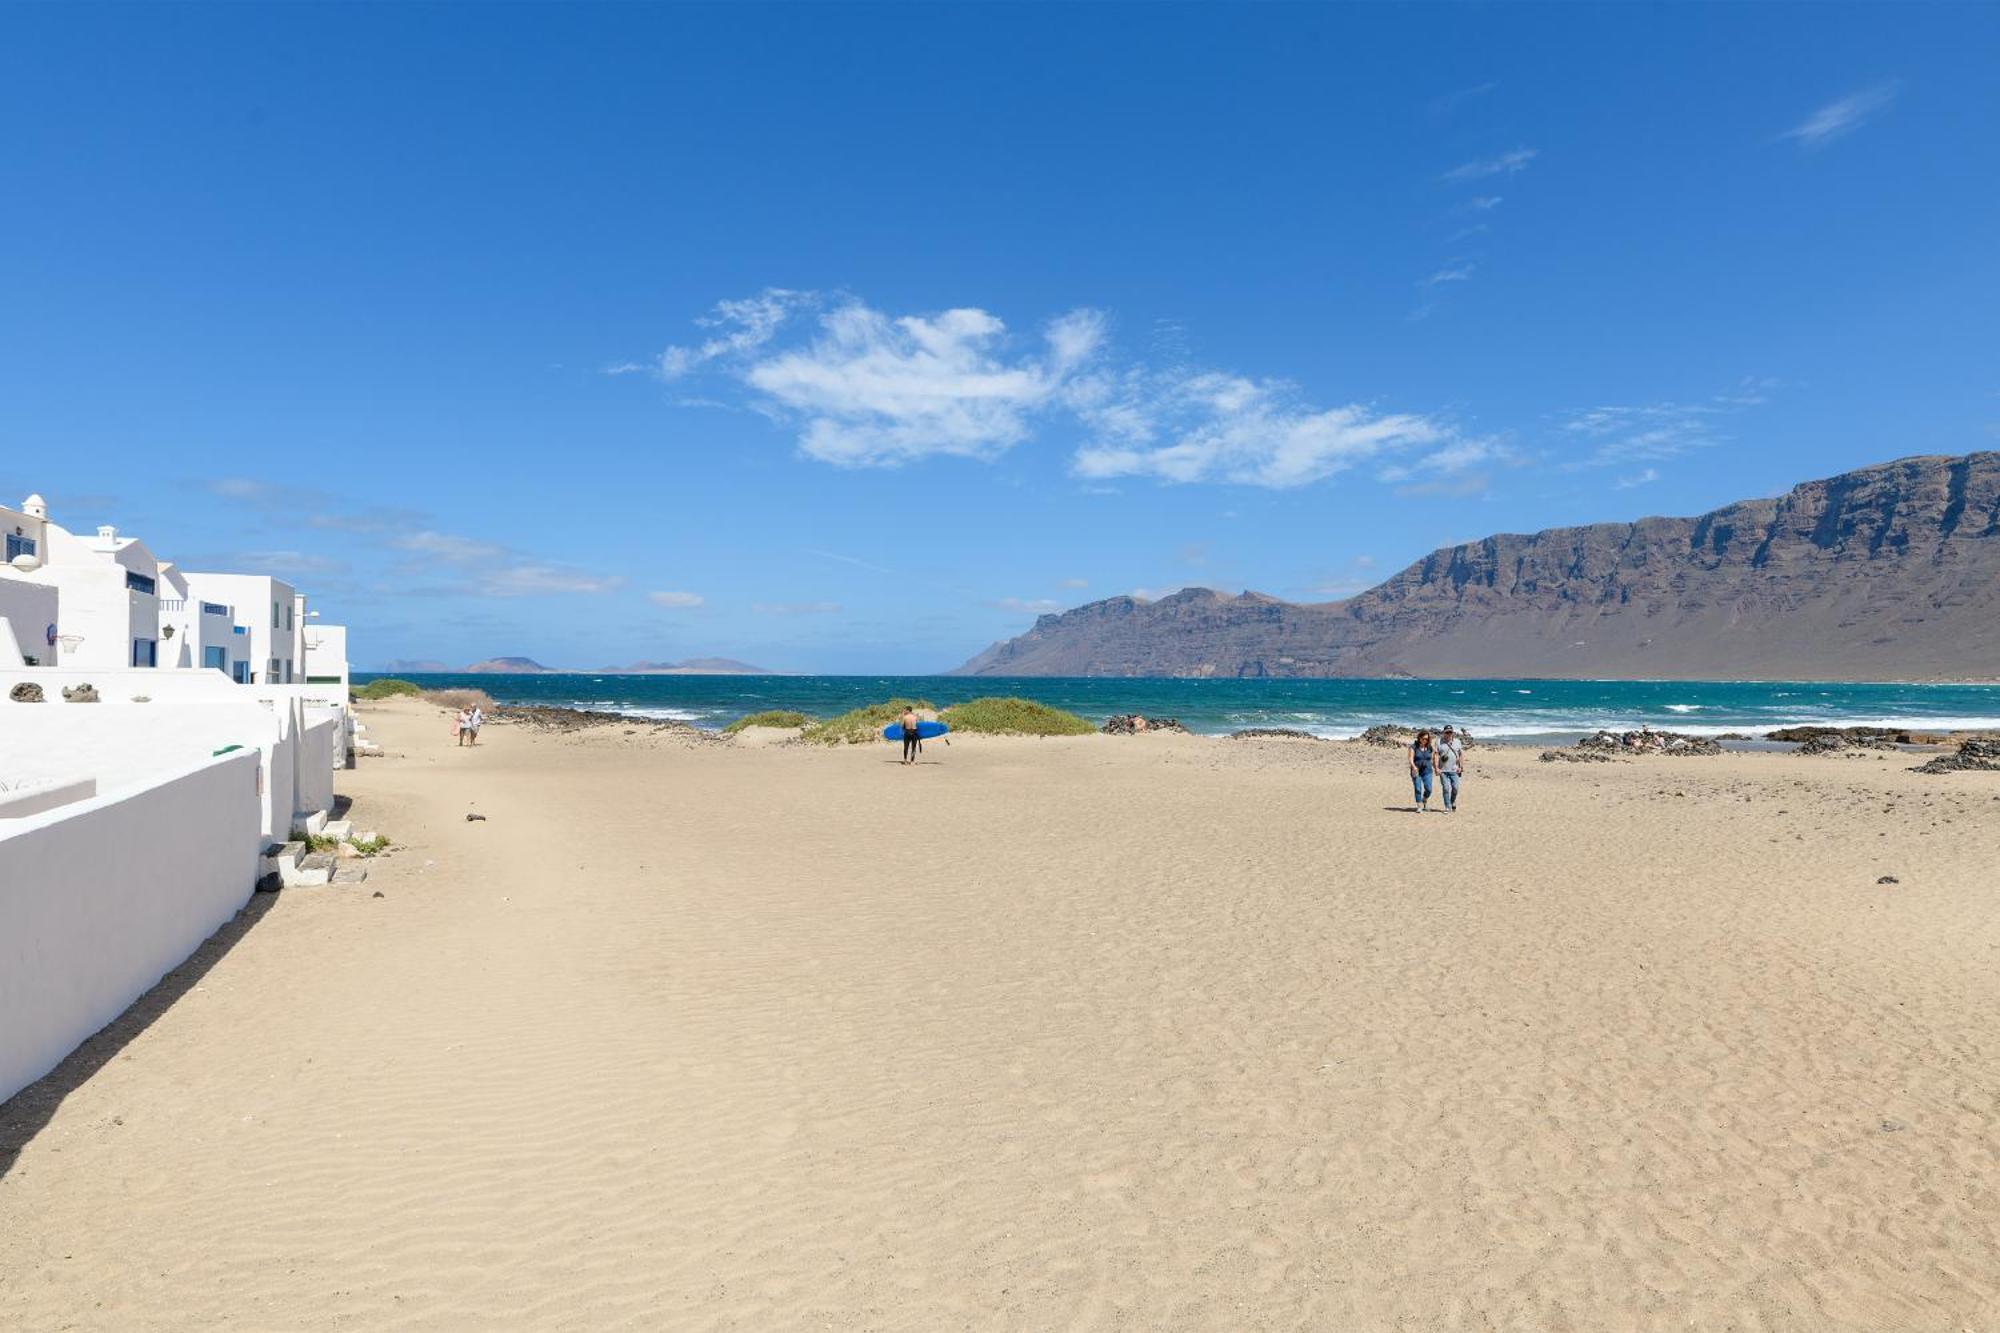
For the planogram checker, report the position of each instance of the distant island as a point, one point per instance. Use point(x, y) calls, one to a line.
point(528, 666)
point(1885, 573)
point(693, 666)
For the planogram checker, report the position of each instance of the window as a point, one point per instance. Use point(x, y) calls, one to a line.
point(288, 617)
point(215, 658)
point(215, 609)
point(19, 545)
point(239, 629)
point(274, 616)
point(271, 672)
point(139, 582)
point(240, 672)
point(145, 652)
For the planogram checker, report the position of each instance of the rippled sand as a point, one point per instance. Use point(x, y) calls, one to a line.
point(1150, 1033)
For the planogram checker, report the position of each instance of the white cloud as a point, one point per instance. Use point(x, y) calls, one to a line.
point(529, 580)
point(1644, 477)
point(674, 599)
point(1652, 432)
point(745, 325)
point(795, 608)
point(1217, 427)
point(1486, 203)
point(1837, 119)
point(1026, 605)
point(1451, 272)
point(877, 391)
point(1505, 164)
point(448, 547)
point(1453, 456)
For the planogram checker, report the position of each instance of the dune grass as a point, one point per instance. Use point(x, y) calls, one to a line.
point(773, 717)
point(860, 724)
point(387, 688)
point(1014, 717)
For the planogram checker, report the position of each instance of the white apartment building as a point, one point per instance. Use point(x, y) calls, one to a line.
point(197, 633)
point(107, 590)
point(325, 655)
point(27, 605)
point(265, 613)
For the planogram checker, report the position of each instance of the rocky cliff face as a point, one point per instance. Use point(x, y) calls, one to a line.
point(1891, 572)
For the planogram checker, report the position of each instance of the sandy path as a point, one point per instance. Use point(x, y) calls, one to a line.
point(1152, 1033)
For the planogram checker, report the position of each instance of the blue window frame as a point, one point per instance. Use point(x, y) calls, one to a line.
point(214, 609)
point(215, 658)
point(140, 582)
point(19, 545)
point(145, 652)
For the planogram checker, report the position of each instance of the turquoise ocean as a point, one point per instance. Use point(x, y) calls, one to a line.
point(1527, 710)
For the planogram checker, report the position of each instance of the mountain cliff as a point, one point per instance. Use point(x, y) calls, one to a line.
point(1887, 573)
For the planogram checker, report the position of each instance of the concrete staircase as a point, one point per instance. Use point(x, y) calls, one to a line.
point(290, 866)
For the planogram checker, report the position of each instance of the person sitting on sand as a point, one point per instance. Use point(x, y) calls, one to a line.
point(911, 738)
point(1423, 756)
point(1450, 766)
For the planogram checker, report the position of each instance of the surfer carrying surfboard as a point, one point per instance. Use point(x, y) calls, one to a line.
point(911, 735)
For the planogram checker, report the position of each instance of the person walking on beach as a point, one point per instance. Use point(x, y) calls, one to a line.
point(911, 739)
point(1450, 766)
point(475, 719)
point(1423, 757)
point(461, 725)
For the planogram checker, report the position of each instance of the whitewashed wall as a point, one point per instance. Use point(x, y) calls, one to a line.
point(131, 744)
point(100, 899)
point(26, 612)
point(319, 752)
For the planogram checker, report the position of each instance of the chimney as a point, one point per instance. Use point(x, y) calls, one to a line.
point(35, 507)
point(107, 533)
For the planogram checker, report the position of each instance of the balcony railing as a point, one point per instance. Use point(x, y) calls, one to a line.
point(173, 603)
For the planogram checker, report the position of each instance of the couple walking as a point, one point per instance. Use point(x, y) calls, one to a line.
point(1445, 755)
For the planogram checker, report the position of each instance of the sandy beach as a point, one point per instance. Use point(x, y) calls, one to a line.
point(1158, 1032)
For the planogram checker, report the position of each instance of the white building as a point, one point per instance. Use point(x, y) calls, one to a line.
point(264, 613)
point(27, 605)
point(107, 590)
point(326, 655)
point(197, 633)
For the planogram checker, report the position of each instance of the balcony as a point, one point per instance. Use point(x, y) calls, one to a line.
point(173, 603)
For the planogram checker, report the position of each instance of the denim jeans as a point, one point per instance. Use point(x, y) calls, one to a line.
point(1448, 788)
point(1420, 785)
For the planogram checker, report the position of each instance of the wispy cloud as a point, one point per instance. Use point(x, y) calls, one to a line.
point(1219, 427)
point(447, 546)
point(1037, 606)
point(1652, 432)
point(1452, 101)
point(532, 580)
point(1644, 477)
point(1504, 164)
point(1485, 203)
point(854, 560)
point(1454, 271)
point(795, 608)
point(743, 326)
point(675, 600)
point(1839, 118)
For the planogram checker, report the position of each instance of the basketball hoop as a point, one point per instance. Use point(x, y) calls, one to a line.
point(68, 642)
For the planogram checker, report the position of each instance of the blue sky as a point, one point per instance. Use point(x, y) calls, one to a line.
point(851, 338)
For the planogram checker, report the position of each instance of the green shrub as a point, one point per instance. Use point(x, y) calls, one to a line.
point(1014, 717)
point(775, 717)
point(387, 688)
point(862, 724)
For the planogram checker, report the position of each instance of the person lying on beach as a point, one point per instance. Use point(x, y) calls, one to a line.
point(1423, 755)
point(1450, 767)
point(911, 741)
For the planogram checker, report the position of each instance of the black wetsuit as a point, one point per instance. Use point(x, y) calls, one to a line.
point(910, 740)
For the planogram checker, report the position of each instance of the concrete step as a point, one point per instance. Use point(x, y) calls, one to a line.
point(279, 856)
point(311, 871)
point(339, 828)
point(312, 823)
point(350, 874)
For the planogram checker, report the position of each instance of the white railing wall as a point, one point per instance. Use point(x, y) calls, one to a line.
point(101, 898)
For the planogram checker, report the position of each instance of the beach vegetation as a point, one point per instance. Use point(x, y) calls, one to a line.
point(1014, 717)
point(859, 724)
point(388, 687)
point(459, 700)
point(771, 717)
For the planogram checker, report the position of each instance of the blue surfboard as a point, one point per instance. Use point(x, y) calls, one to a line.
point(925, 731)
